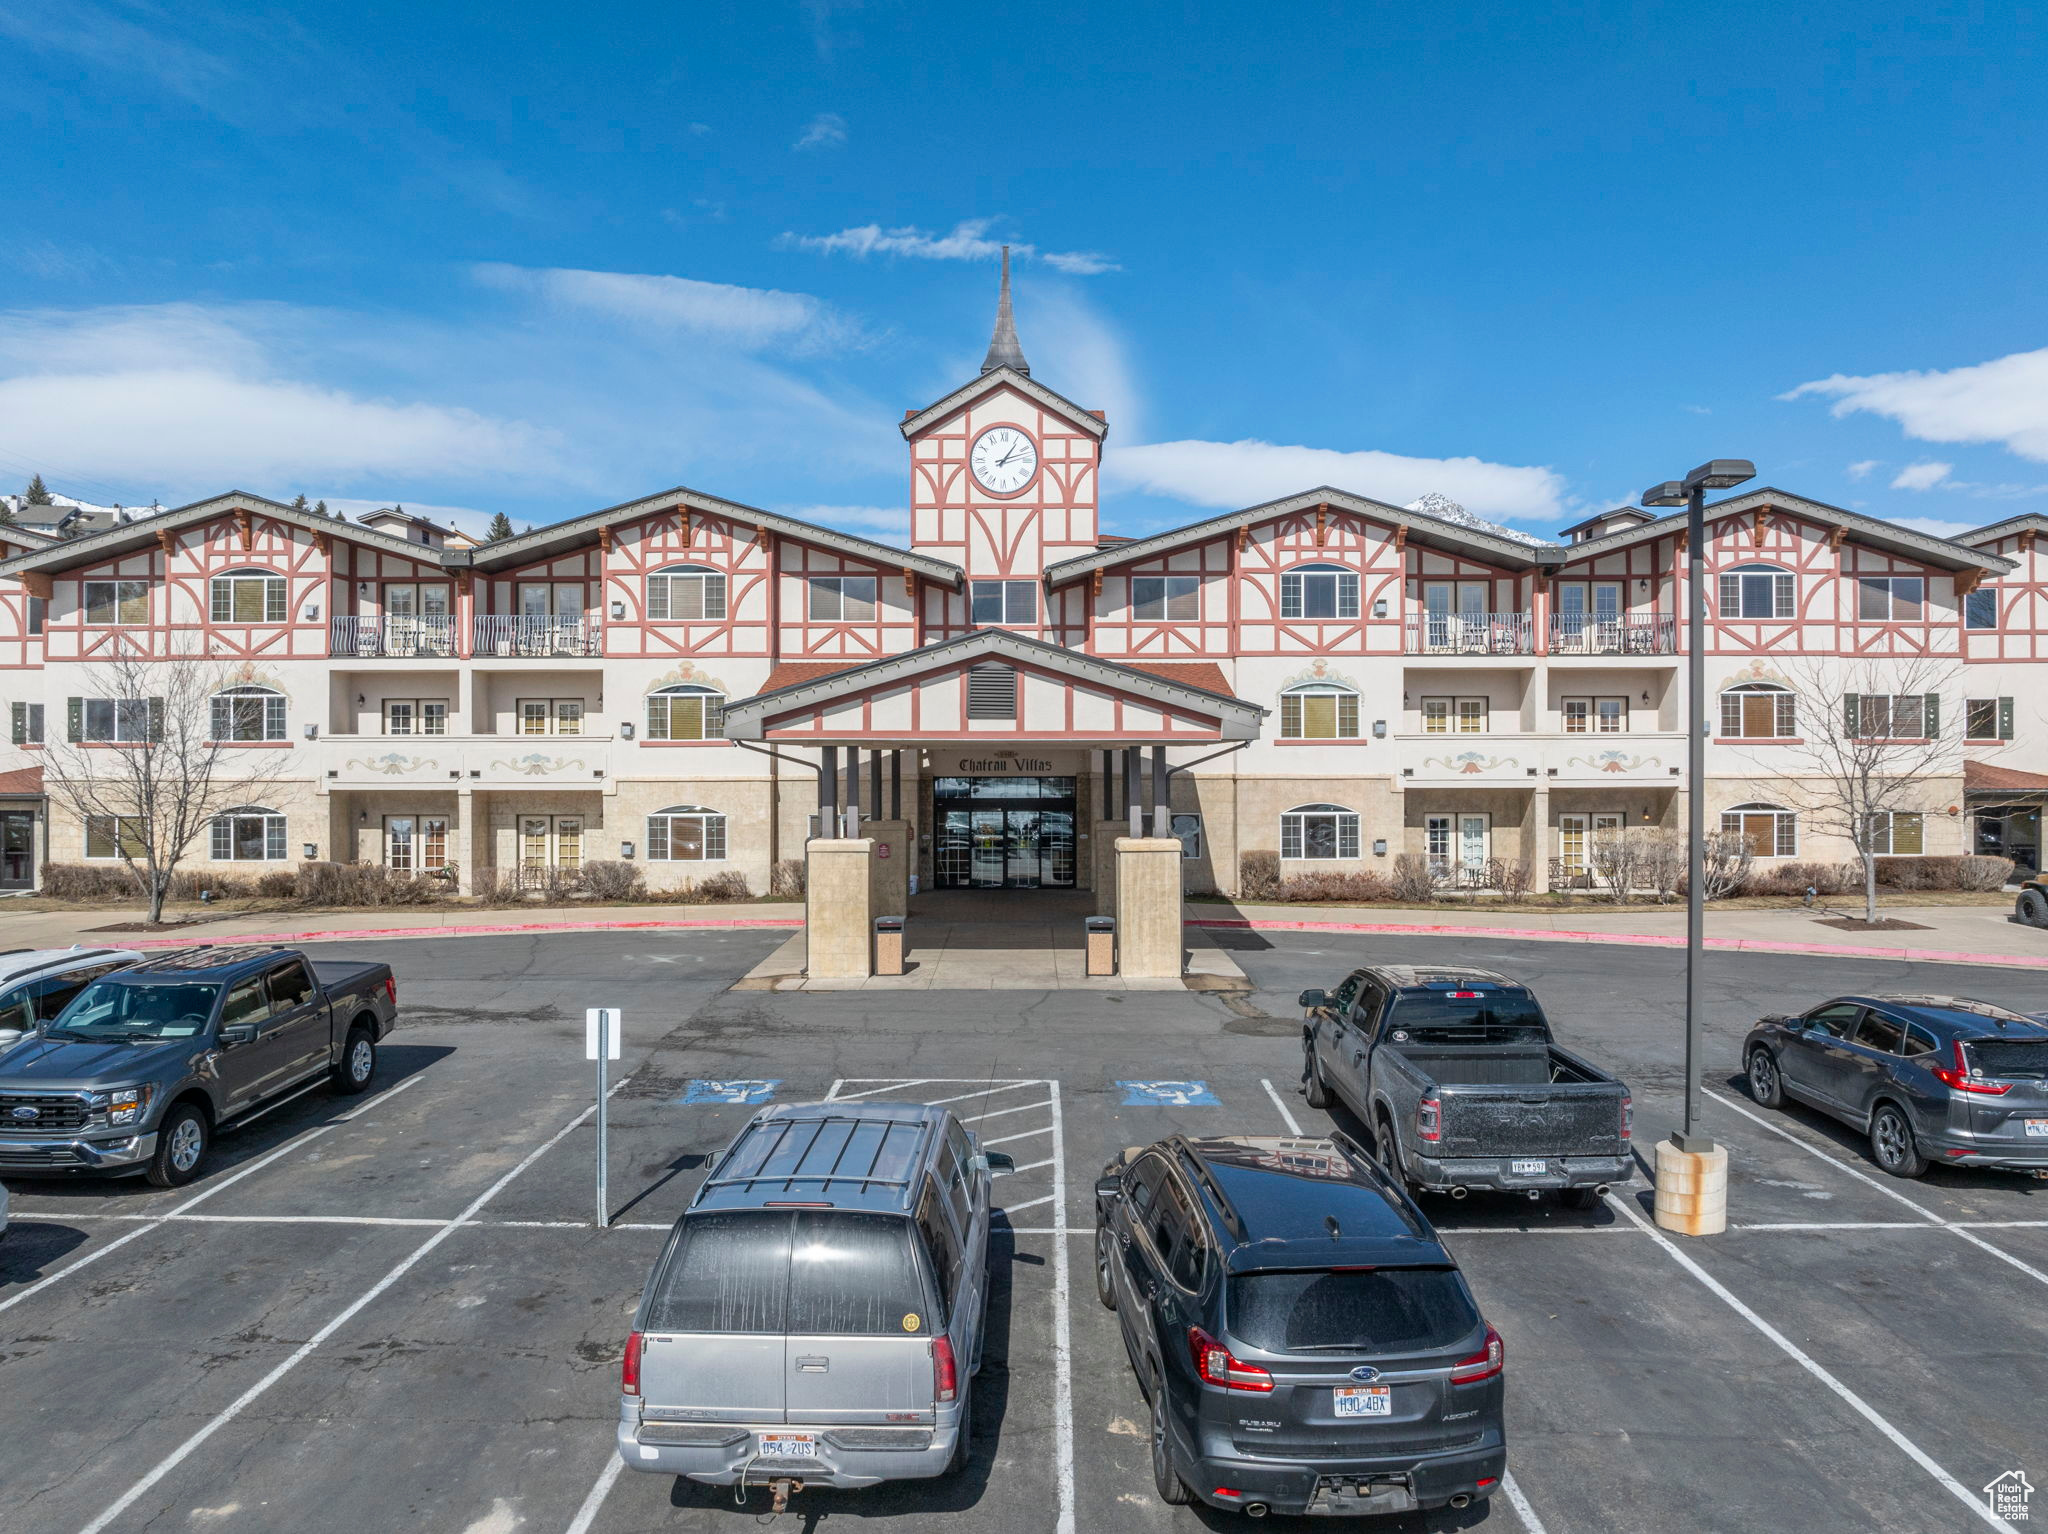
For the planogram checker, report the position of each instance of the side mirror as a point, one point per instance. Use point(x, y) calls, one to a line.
point(10, 1037)
point(1109, 1187)
point(999, 1163)
point(237, 1033)
point(1310, 1000)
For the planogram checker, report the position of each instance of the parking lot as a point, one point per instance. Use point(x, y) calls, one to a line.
point(393, 1312)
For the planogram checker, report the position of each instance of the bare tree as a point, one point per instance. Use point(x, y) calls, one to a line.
point(140, 764)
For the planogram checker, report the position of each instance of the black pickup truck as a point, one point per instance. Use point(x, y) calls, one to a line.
point(1456, 1074)
point(145, 1064)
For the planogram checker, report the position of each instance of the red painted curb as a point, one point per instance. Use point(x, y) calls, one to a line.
point(1637, 939)
point(494, 930)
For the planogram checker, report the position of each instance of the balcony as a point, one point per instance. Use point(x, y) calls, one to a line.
point(1621, 634)
point(1517, 759)
point(461, 761)
point(1470, 634)
point(429, 637)
point(524, 637)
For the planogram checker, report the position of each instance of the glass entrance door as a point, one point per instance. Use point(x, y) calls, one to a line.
point(17, 849)
point(1003, 833)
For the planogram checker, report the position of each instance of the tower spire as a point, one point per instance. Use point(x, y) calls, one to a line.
point(1003, 348)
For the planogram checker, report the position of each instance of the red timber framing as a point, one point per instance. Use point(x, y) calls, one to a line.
point(2020, 595)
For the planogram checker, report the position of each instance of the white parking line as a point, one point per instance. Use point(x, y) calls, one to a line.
point(981, 1091)
point(1862, 1407)
point(305, 1350)
point(1520, 1504)
point(1002, 1113)
point(1285, 1116)
point(1892, 1193)
point(837, 1096)
point(1032, 1166)
point(1031, 1203)
point(1043, 1129)
point(587, 1513)
point(1062, 1336)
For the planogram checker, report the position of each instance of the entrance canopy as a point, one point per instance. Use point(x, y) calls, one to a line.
point(996, 687)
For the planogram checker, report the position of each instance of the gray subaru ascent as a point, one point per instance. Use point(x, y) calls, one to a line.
point(816, 1316)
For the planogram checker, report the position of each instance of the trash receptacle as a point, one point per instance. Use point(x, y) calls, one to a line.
point(888, 945)
point(1101, 945)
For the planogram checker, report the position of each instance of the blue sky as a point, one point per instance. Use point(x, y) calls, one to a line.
point(546, 258)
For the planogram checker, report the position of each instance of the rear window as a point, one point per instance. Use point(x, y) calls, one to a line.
point(1372, 1310)
point(775, 1271)
point(1479, 1014)
point(2017, 1058)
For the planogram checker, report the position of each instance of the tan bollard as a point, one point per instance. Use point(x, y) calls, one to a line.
point(1692, 1190)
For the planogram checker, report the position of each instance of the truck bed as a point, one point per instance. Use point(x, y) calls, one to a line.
point(1526, 1100)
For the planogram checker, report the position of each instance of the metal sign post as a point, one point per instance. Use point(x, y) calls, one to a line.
point(601, 1043)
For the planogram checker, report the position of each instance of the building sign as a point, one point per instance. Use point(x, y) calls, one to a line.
point(1024, 763)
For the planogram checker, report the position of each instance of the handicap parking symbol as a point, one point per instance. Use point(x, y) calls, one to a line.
point(730, 1091)
point(1168, 1094)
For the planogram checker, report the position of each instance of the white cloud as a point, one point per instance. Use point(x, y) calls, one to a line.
point(1934, 526)
point(1922, 476)
point(1249, 472)
point(2003, 401)
point(746, 316)
point(1864, 469)
point(1081, 354)
point(885, 524)
point(825, 131)
point(967, 241)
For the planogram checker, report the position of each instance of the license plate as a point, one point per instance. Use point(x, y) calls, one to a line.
point(2038, 1128)
point(1364, 1401)
point(789, 1446)
point(1528, 1168)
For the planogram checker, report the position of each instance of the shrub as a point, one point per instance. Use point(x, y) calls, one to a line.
point(1414, 880)
point(1725, 858)
point(1661, 866)
point(497, 886)
point(1920, 873)
point(1258, 876)
point(83, 881)
point(190, 884)
point(728, 886)
point(614, 881)
point(1798, 878)
point(1365, 884)
point(1983, 873)
point(786, 880)
point(366, 884)
point(1511, 876)
point(279, 884)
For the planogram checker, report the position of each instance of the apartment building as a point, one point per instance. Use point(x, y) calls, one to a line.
point(693, 683)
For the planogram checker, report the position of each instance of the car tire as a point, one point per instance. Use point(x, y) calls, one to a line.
point(1892, 1145)
point(963, 1445)
point(1387, 1149)
point(1579, 1198)
point(1173, 1491)
point(181, 1142)
point(1314, 1091)
point(357, 1066)
point(1105, 1254)
point(2033, 908)
point(1765, 1083)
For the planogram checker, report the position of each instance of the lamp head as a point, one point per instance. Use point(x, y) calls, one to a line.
point(1721, 473)
point(1670, 493)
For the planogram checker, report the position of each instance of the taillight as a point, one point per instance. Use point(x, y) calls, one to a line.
point(1960, 1079)
point(629, 1366)
point(391, 989)
point(1216, 1367)
point(1429, 1119)
point(945, 1373)
point(1483, 1365)
point(1628, 1117)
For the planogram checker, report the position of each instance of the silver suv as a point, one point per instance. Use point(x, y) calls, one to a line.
point(816, 1317)
point(37, 983)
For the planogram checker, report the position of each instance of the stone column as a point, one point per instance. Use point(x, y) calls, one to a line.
point(464, 850)
point(839, 909)
point(1148, 903)
point(889, 870)
point(1538, 841)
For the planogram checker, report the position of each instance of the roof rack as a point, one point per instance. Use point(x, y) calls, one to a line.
point(863, 1169)
point(68, 956)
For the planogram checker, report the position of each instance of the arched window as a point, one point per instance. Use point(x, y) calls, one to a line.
point(1319, 831)
point(1319, 711)
point(1759, 711)
point(249, 596)
point(1770, 830)
point(685, 833)
point(686, 713)
point(250, 834)
point(248, 713)
point(1758, 591)
point(1319, 591)
point(682, 593)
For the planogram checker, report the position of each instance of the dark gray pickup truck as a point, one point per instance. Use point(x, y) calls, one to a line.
point(1456, 1074)
point(144, 1065)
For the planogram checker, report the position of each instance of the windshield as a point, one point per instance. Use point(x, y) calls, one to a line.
point(110, 1009)
point(1460, 1016)
point(1355, 1310)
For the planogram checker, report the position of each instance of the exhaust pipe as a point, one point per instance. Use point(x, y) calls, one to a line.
point(1535, 1195)
point(1255, 1509)
point(1461, 1499)
point(1459, 1191)
point(1600, 1190)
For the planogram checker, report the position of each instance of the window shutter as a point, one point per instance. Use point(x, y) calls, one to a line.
point(1788, 714)
point(273, 601)
point(1290, 716)
point(1781, 588)
point(714, 596)
point(991, 692)
point(1347, 715)
point(223, 600)
point(657, 838)
point(657, 598)
point(20, 720)
point(714, 718)
point(74, 719)
point(1852, 715)
point(153, 726)
point(2005, 719)
point(1931, 715)
point(223, 719)
point(1290, 596)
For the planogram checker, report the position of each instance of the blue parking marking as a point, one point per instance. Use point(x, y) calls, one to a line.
point(1169, 1094)
point(730, 1091)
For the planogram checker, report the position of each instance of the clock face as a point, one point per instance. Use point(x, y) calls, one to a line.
point(1003, 460)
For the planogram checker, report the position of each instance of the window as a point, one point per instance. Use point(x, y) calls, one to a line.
point(38, 614)
point(941, 1243)
point(1000, 602)
point(248, 835)
point(1318, 711)
point(1758, 711)
point(27, 723)
point(415, 716)
point(1771, 832)
point(1579, 834)
point(682, 593)
point(248, 599)
point(1319, 591)
point(685, 834)
point(1896, 833)
point(117, 601)
point(290, 986)
point(1980, 608)
point(1890, 598)
point(991, 692)
point(686, 713)
point(1595, 716)
point(1319, 831)
point(1881, 716)
point(1983, 718)
point(1757, 591)
point(1187, 830)
point(1461, 841)
point(552, 716)
point(123, 720)
point(1164, 598)
point(415, 844)
point(1836, 1020)
point(1456, 716)
point(248, 713)
point(1918, 1041)
point(113, 836)
point(1881, 1033)
point(1351, 1310)
point(842, 599)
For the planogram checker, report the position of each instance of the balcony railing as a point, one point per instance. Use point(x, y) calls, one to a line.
point(1621, 634)
point(432, 636)
point(1470, 634)
point(522, 636)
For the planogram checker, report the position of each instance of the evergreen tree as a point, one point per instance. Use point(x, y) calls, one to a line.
point(501, 529)
point(319, 508)
point(299, 502)
point(37, 494)
point(6, 515)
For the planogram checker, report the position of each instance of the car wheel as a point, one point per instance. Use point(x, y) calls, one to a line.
point(1892, 1144)
point(1313, 1091)
point(1580, 1198)
point(2033, 908)
point(1765, 1085)
point(358, 1062)
point(1387, 1149)
point(180, 1147)
point(1105, 1254)
point(1173, 1491)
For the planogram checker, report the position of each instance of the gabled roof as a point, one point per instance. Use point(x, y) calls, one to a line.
point(1422, 528)
point(744, 717)
point(1024, 384)
point(580, 532)
point(142, 532)
point(1873, 531)
point(1991, 532)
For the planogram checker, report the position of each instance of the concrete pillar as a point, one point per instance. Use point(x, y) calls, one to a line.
point(1539, 841)
point(1162, 807)
point(828, 791)
point(1102, 863)
point(895, 857)
point(839, 909)
point(1134, 789)
point(1692, 1190)
point(464, 850)
point(1148, 903)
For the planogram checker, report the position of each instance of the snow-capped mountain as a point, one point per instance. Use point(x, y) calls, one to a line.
point(1444, 509)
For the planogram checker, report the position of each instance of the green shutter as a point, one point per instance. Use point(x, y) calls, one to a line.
point(1932, 722)
point(1852, 715)
point(154, 729)
point(74, 719)
point(2005, 719)
point(19, 711)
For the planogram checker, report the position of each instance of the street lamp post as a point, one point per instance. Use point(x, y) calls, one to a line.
point(1691, 493)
